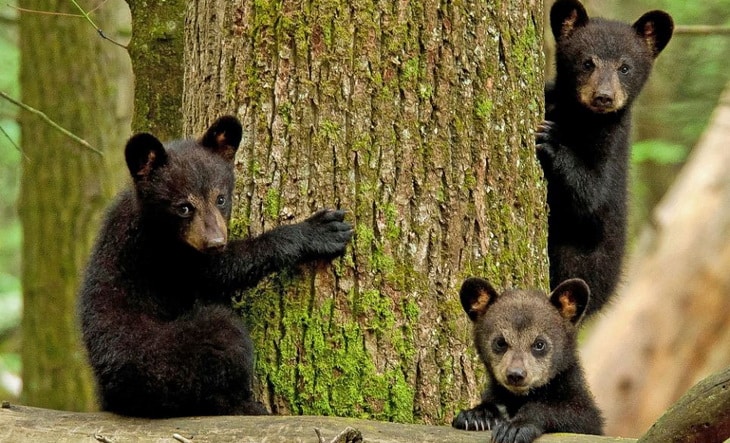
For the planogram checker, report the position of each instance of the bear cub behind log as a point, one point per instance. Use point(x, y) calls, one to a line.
point(155, 303)
point(527, 341)
point(583, 144)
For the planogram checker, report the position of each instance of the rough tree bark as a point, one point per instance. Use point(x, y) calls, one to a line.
point(668, 327)
point(78, 81)
point(418, 118)
point(156, 49)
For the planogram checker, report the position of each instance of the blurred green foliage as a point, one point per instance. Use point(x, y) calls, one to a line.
point(692, 70)
point(10, 230)
point(658, 151)
point(9, 141)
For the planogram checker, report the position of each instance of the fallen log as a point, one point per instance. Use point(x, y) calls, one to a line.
point(23, 424)
point(702, 415)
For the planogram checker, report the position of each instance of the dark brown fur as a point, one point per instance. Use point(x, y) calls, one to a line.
point(583, 144)
point(527, 342)
point(155, 303)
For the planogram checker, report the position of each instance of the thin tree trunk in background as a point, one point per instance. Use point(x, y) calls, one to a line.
point(81, 82)
point(669, 326)
point(418, 118)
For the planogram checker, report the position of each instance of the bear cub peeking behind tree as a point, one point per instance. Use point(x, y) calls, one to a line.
point(583, 144)
point(527, 341)
point(155, 304)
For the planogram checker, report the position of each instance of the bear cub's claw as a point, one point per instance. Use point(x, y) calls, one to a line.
point(546, 140)
point(325, 234)
point(545, 135)
point(475, 419)
point(511, 432)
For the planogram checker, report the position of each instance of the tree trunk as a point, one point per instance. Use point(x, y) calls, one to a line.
point(418, 118)
point(668, 327)
point(80, 82)
point(156, 49)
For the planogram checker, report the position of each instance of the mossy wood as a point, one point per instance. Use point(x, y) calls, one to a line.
point(418, 118)
point(79, 82)
point(19, 424)
point(702, 415)
point(156, 50)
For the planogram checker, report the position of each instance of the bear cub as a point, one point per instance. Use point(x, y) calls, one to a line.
point(155, 303)
point(583, 144)
point(527, 342)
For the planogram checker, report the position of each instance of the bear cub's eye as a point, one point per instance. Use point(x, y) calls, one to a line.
point(588, 65)
point(624, 69)
point(539, 347)
point(184, 210)
point(221, 200)
point(499, 345)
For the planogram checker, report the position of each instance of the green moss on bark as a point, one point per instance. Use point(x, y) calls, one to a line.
point(156, 50)
point(418, 118)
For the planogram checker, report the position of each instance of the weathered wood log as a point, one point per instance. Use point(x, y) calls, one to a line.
point(702, 415)
point(20, 424)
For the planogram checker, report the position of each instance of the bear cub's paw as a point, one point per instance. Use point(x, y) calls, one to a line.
point(480, 418)
point(546, 138)
point(513, 431)
point(325, 234)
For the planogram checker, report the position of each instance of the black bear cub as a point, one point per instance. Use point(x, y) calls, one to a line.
point(527, 341)
point(583, 144)
point(155, 304)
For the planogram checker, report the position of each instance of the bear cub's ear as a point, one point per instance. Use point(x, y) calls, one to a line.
point(144, 153)
point(655, 28)
point(223, 137)
point(565, 17)
point(476, 295)
point(571, 299)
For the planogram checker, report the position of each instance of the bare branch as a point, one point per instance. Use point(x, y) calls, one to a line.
point(98, 30)
point(83, 14)
point(12, 142)
point(53, 124)
point(61, 14)
point(36, 11)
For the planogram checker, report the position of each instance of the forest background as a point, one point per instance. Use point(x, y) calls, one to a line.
point(669, 119)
